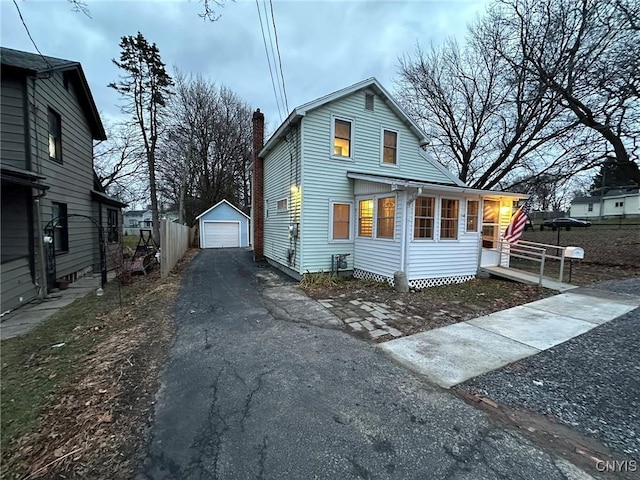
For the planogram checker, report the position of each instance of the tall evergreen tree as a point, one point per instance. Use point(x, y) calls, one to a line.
point(611, 175)
point(146, 86)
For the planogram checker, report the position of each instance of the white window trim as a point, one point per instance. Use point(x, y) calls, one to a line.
point(439, 213)
point(435, 223)
point(375, 218)
point(351, 221)
point(333, 136)
point(397, 132)
point(466, 216)
point(282, 210)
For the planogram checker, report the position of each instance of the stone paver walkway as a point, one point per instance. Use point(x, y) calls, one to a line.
point(373, 319)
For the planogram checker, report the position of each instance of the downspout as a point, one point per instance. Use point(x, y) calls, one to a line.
point(42, 285)
point(404, 258)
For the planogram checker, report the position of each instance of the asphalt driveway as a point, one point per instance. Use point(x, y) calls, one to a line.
point(260, 384)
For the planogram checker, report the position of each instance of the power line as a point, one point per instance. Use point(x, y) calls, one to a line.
point(30, 37)
point(273, 56)
point(275, 32)
point(266, 50)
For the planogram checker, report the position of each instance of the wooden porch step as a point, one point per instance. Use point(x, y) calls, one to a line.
point(528, 278)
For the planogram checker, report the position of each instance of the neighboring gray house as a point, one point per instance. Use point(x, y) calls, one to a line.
point(347, 174)
point(617, 202)
point(53, 208)
point(223, 226)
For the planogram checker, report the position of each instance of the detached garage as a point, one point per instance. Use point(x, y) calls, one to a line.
point(223, 226)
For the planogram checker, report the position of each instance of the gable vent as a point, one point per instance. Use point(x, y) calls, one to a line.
point(368, 101)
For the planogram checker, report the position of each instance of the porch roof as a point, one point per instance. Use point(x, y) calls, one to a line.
point(402, 183)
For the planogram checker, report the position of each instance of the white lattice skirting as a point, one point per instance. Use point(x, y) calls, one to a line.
point(374, 277)
point(418, 284)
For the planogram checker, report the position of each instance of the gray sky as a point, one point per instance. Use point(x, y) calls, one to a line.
point(325, 45)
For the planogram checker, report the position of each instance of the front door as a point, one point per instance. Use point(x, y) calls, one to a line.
point(490, 256)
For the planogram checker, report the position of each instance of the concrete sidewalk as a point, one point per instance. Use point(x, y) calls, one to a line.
point(450, 355)
point(23, 320)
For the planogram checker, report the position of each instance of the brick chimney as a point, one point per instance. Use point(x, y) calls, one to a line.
point(257, 194)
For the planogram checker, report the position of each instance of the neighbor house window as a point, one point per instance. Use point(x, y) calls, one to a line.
point(423, 218)
point(55, 137)
point(60, 227)
point(590, 207)
point(390, 148)
point(448, 219)
point(365, 218)
point(133, 223)
point(340, 221)
point(472, 215)
point(342, 138)
point(386, 217)
point(619, 204)
point(282, 205)
point(112, 226)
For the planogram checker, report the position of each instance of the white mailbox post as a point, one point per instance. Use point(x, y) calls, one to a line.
point(571, 253)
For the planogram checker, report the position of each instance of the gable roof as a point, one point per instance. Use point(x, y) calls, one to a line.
point(219, 203)
point(370, 83)
point(34, 64)
point(613, 193)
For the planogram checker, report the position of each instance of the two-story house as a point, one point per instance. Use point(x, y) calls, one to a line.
point(347, 174)
point(54, 211)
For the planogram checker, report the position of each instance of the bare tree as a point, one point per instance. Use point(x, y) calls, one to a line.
point(146, 86)
point(206, 150)
point(120, 165)
point(585, 52)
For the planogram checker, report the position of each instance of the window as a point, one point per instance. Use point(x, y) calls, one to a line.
point(15, 231)
point(472, 215)
point(490, 212)
point(340, 221)
point(266, 209)
point(390, 148)
point(55, 134)
point(619, 204)
point(386, 217)
point(368, 101)
point(423, 219)
point(282, 205)
point(448, 219)
point(342, 138)
point(60, 227)
point(590, 207)
point(112, 223)
point(133, 223)
point(365, 218)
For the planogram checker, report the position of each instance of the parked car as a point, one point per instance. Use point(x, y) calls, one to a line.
point(565, 222)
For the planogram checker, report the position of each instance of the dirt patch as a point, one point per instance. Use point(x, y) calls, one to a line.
point(433, 307)
point(93, 425)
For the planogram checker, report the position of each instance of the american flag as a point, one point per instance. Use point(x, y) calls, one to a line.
point(518, 220)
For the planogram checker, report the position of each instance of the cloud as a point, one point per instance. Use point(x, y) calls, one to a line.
point(324, 45)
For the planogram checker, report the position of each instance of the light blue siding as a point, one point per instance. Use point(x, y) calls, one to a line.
point(282, 171)
point(225, 213)
point(325, 177)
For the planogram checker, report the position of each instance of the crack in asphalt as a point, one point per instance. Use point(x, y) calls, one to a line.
point(262, 457)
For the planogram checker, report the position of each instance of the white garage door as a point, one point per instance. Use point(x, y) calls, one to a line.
point(221, 234)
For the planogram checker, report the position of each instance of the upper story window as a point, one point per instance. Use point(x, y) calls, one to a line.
point(340, 221)
point(342, 138)
point(448, 219)
point(390, 147)
point(386, 217)
point(55, 136)
point(60, 227)
point(472, 215)
point(368, 101)
point(112, 224)
point(365, 218)
point(590, 207)
point(423, 220)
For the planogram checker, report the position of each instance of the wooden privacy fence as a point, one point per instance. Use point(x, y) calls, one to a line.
point(173, 245)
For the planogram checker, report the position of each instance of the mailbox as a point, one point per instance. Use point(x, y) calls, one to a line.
point(573, 252)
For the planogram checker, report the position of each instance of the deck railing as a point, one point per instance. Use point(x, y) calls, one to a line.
point(537, 252)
